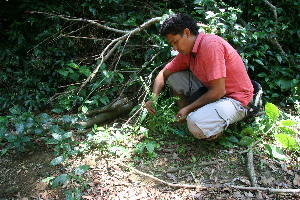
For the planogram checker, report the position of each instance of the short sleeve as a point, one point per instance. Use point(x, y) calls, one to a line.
point(180, 62)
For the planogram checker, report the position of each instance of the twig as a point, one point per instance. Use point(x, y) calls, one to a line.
point(118, 42)
point(115, 43)
point(69, 18)
point(271, 190)
point(176, 169)
point(159, 180)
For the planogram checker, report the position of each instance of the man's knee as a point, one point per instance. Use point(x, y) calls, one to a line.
point(198, 133)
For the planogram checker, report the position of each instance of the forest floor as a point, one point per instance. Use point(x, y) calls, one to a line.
point(208, 168)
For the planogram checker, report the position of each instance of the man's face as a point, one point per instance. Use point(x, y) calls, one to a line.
point(182, 43)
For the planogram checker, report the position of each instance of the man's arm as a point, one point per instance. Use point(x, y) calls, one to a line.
point(158, 85)
point(215, 92)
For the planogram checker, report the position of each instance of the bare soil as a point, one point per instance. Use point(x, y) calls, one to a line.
point(21, 175)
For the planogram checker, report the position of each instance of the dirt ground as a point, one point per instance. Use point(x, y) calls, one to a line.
point(21, 175)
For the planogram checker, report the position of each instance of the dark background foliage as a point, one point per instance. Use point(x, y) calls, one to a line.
point(41, 57)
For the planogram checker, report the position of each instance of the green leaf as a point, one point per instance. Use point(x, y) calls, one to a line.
point(104, 100)
point(66, 118)
point(272, 111)
point(81, 169)
point(67, 135)
point(286, 140)
point(233, 139)
point(84, 109)
point(60, 180)
point(84, 70)
point(48, 179)
point(279, 58)
point(246, 141)
point(57, 160)
point(2, 132)
point(287, 123)
point(26, 139)
point(57, 110)
point(287, 130)
point(259, 62)
point(57, 136)
point(11, 138)
point(275, 152)
point(20, 128)
point(52, 141)
point(247, 131)
point(150, 147)
point(63, 72)
point(14, 110)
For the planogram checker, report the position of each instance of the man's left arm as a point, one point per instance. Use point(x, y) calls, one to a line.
point(214, 93)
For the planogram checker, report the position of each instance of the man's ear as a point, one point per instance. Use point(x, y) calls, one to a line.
point(187, 32)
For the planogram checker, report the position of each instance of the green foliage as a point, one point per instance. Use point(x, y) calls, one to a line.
point(42, 66)
point(278, 130)
point(18, 129)
point(164, 116)
point(70, 179)
point(251, 27)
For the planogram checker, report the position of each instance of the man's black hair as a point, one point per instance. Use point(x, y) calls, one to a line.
point(176, 23)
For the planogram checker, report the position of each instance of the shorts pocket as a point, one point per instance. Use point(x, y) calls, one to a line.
point(230, 111)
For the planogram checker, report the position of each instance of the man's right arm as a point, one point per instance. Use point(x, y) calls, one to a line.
point(158, 85)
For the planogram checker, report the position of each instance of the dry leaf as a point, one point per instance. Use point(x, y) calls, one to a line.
point(267, 181)
point(87, 197)
point(296, 180)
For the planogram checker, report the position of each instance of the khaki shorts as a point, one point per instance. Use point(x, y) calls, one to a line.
point(212, 118)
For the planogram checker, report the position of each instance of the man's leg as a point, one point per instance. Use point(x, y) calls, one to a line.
point(212, 119)
point(182, 101)
point(181, 83)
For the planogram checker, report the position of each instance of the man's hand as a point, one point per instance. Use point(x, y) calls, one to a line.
point(182, 114)
point(149, 107)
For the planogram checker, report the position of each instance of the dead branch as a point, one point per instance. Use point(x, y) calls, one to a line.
point(111, 114)
point(112, 106)
point(199, 187)
point(176, 169)
point(115, 43)
point(69, 18)
point(274, 40)
point(271, 190)
point(118, 42)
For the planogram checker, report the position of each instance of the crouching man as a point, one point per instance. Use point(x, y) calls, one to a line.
point(208, 76)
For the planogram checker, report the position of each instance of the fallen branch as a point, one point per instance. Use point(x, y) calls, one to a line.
point(176, 169)
point(271, 190)
point(199, 187)
point(118, 110)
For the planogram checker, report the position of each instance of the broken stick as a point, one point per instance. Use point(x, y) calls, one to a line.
point(176, 169)
point(199, 187)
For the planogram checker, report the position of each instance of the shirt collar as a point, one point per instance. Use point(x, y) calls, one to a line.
point(198, 41)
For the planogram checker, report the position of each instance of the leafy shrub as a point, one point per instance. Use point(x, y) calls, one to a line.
point(19, 129)
point(277, 130)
